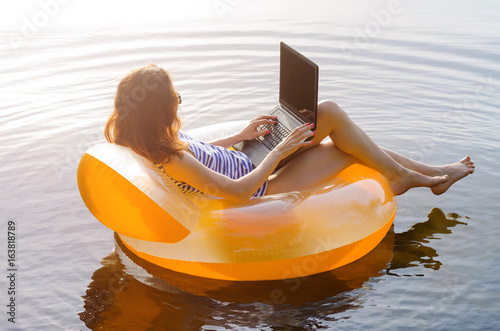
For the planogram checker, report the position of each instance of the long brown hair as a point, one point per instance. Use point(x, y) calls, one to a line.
point(144, 117)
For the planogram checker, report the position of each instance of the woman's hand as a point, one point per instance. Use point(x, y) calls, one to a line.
point(295, 140)
point(248, 133)
point(251, 132)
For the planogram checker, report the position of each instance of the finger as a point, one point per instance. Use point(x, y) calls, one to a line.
point(307, 143)
point(264, 121)
point(309, 134)
point(300, 138)
point(263, 132)
point(301, 129)
point(307, 126)
point(304, 137)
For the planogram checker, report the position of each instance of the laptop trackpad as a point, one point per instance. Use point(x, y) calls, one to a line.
point(255, 151)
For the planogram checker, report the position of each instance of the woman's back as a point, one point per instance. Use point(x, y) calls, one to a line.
point(230, 163)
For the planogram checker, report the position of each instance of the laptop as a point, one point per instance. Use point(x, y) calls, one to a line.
point(298, 100)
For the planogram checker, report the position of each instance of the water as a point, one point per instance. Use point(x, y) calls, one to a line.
point(423, 81)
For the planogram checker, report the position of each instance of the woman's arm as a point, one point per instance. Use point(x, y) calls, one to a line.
point(248, 133)
point(188, 169)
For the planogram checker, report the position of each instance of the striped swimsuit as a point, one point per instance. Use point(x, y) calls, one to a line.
point(230, 163)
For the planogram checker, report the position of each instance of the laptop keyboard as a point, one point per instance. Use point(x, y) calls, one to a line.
point(277, 134)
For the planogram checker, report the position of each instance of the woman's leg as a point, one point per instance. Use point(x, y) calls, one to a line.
point(310, 168)
point(350, 141)
point(455, 171)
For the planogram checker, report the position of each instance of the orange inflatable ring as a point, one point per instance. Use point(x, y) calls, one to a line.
point(273, 237)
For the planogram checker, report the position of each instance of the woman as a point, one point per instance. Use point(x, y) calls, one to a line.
point(145, 119)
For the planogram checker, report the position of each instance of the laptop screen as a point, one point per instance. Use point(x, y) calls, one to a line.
point(298, 83)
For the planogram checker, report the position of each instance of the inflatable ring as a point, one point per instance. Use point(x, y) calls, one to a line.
point(269, 238)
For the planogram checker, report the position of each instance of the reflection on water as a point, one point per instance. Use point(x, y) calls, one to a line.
point(128, 292)
point(412, 247)
point(426, 85)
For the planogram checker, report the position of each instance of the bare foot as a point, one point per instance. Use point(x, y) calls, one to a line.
point(455, 172)
point(409, 179)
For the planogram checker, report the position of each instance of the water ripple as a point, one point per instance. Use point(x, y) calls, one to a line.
point(431, 95)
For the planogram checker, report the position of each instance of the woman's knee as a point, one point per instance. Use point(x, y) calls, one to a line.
point(328, 108)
